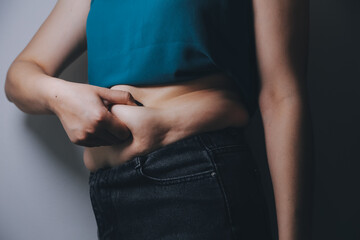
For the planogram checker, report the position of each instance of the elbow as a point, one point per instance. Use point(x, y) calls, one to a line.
point(271, 102)
point(274, 99)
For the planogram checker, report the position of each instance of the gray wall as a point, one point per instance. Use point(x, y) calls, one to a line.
point(43, 183)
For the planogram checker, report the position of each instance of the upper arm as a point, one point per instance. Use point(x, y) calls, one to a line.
point(60, 39)
point(281, 38)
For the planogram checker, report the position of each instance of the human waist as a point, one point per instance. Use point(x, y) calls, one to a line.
point(201, 105)
point(213, 86)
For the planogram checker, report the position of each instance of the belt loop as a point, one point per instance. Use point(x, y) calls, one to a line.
point(139, 160)
point(223, 137)
point(205, 140)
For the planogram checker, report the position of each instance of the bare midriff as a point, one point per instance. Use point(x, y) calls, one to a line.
point(215, 99)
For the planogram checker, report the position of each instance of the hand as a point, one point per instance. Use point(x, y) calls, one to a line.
point(148, 132)
point(83, 112)
point(152, 128)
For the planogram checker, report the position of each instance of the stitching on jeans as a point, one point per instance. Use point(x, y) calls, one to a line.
point(211, 157)
point(138, 162)
point(180, 179)
point(171, 180)
point(238, 146)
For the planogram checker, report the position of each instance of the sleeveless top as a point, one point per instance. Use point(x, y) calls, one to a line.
point(147, 42)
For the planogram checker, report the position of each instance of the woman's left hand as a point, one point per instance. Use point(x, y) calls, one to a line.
point(148, 132)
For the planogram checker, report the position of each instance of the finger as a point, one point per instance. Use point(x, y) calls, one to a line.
point(111, 96)
point(104, 133)
point(106, 138)
point(114, 138)
point(116, 127)
point(93, 141)
point(128, 115)
point(138, 103)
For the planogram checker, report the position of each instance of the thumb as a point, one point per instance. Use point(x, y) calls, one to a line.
point(111, 96)
point(117, 127)
point(129, 115)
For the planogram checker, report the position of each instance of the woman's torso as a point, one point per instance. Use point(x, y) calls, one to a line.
point(163, 96)
point(215, 92)
point(171, 53)
point(144, 43)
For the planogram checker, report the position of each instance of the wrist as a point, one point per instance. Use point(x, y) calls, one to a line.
point(173, 128)
point(55, 90)
point(296, 228)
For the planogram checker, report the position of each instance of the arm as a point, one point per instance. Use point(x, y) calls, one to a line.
point(32, 85)
point(59, 40)
point(281, 33)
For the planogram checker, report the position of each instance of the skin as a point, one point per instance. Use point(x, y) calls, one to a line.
point(113, 128)
point(178, 117)
point(281, 29)
point(170, 113)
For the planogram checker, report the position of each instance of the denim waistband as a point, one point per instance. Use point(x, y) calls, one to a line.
point(214, 139)
point(226, 137)
point(193, 144)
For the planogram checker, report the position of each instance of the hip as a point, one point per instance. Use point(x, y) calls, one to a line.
point(186, 108)
point(204, 186)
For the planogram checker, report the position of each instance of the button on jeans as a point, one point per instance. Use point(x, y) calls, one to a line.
point(202, 187)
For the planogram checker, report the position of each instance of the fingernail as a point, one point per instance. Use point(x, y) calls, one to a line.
point(138, 103)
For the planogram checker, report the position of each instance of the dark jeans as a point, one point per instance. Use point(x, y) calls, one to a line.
point(202, 187)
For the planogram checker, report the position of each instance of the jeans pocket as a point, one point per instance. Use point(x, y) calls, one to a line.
point(176, 163)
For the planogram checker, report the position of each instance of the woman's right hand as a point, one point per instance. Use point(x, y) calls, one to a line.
point(83, 110)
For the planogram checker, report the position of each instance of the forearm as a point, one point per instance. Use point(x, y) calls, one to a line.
point(289, 145)
point(30, 88)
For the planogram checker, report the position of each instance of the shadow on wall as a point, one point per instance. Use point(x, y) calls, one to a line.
point(50, 131)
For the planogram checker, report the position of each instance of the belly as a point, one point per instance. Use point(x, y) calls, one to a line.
point(213, 97)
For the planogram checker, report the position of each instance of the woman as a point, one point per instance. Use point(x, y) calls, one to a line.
point(171, 90)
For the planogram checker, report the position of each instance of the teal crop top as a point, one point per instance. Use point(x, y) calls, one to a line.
point(147, 42)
